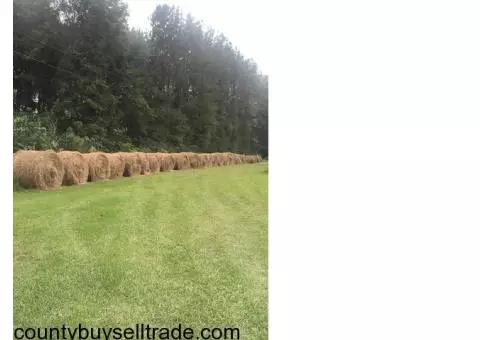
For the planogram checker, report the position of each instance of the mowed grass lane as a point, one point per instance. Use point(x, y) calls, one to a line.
point(184, 247)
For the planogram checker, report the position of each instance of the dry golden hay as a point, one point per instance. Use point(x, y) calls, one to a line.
point(75, 167)
point(133, 166)
point(238, 159)
point(212, 160)
point(116, 162)
point(198, 161)
point(233, 158)
point(38, 169)
point(154, 162)
point(208, 160)
point(217, 159)
point(144, 163)
point(167, 163)
point(180, 161)
point(251, 159)
point(193, 160)
point(226, 157)
point(222, 160)
point(188, 158)
point(203, 160)
point(98, 166)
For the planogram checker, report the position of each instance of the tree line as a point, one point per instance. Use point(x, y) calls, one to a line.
point(83, 80)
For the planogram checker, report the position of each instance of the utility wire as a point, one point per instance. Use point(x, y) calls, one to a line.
point(42, 62)
point(68, 54)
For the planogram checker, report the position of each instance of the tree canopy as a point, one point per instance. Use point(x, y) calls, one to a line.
point(84, 79)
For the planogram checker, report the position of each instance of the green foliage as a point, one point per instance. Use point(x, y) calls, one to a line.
point(108, 87)
point(32, 132)
point(70, 141)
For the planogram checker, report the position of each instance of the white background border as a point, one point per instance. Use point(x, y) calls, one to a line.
point(374, 170)
point(6, 147)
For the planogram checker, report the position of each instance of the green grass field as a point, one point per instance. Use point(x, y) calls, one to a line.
point(184, 247)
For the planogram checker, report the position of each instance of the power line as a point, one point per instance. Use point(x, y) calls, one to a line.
point(68, 54)
point(42, 62)
point(43, 43)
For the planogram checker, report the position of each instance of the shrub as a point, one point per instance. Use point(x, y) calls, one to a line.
point(32, 132)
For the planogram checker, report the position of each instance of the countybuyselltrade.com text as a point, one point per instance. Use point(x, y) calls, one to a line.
point(136, 332)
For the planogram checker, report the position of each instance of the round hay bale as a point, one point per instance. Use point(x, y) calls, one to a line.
point(220, 159)
point(231, 158)
point(153, 162)
point(187, 156)
point(251, 159)
point(224, 159)
point(180, 161)
point(167, 163)
point(116, 162)
point(38, 169)
point(132, 164)
point(98, 166)
point(144, 164)
point(193, 160)
point(203, 160)
point(236, 159)
point(215, 159)
point(207, 162)
point(75, 167)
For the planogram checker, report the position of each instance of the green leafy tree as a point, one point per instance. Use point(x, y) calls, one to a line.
point(102, 85)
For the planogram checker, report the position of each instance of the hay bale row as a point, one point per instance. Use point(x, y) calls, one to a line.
point(49, 169)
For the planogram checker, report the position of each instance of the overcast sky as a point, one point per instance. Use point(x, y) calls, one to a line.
point(244, 22)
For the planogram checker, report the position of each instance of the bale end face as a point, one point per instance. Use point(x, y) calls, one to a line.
point(117, 165)
point(38, 169)
point(98, 166)
point(75, 166)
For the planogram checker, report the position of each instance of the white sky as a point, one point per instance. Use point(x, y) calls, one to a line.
point(244, 23)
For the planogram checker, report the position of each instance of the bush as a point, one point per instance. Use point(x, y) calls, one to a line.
point(33, 132)
point(71, 141)
point(126, 147)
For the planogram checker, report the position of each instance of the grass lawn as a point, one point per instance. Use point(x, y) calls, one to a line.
point(184, 247)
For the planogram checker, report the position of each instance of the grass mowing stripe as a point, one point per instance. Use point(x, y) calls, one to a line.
point(187, 246)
